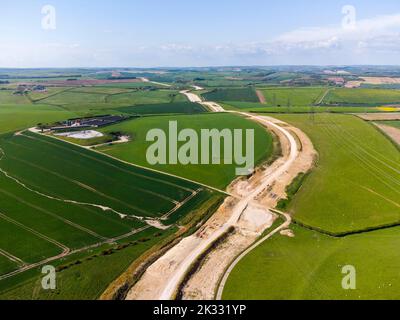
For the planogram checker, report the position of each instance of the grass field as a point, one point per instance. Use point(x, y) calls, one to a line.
point(38, 96)
point(240, 94)
point(259, 107)
point(355, 185)
point(215, 175)
point(8, 97)
point(100, 98)
point(146, 97)
point(83, 276)
point(363, 96)
point(17, 117)
point(56, 197)
point(395, 124)
point(130, 85)
point(292, 96)
point(164, 108)
point(89, 180)
point(309, 266)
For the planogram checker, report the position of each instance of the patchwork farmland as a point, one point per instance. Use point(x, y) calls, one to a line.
point(97, 211)
point(58, 200)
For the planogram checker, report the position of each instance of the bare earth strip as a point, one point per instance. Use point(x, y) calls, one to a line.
point(380, 116)
point(261, 97)
point(246, 211)
point(392, 132)
point(373, 81)
point(204, 283)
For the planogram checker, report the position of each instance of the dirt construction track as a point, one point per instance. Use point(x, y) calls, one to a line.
point(241, 220)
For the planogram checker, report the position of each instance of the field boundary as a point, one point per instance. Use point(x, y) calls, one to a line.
point(138, 166)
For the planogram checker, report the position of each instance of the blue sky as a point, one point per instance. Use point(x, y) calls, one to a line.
point(152, 33)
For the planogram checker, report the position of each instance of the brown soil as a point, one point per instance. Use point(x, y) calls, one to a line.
point(261, 97)
point(393, 133)
point(380, 116)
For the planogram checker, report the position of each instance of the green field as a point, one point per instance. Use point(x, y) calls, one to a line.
point(131, 85)
point(215, 175)
point(309, 266)
point(353, 194)
point(241, 94)
point(395, 123)
point(56, 197)
point(259, 107)
point(38, 96)
point(355, 185)
point(154, 109)
point(100, 98)
point(146, 97)
point(283, 97)
point(18, 117)
point(8, 97)
point(80, 277)
point(374, 97)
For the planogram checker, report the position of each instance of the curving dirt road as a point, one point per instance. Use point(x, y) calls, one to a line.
point(163, 278)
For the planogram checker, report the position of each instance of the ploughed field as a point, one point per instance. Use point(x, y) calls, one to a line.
point(56, 198)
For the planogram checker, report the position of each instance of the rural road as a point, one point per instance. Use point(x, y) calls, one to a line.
point(170, 287)
point(214, 107)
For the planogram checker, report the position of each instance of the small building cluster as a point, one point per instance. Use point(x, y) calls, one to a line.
point(92, 122)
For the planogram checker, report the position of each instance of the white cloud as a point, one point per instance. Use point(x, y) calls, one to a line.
point(372, 41)
point(384, 29)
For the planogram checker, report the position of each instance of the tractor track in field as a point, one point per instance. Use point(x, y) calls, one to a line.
point(26, 267)
point(36, 233)
point(151, 221)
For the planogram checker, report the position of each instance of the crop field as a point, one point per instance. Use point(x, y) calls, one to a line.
point(147, 97)
point(101, 90)
point(281, 268)
point(130, 85)
point(259, 107)
point(241, 94)
point(357, 176)
point(57, 199)
point(178, 108)
point(92, 98)
point(50, 91)
point(363, 96)
point(8, 97)
point(395, 124)
point(215, 175)
point(83, 276)
point(75, 98)
point(284, 97)
point(346, 213)
point(17, 117)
